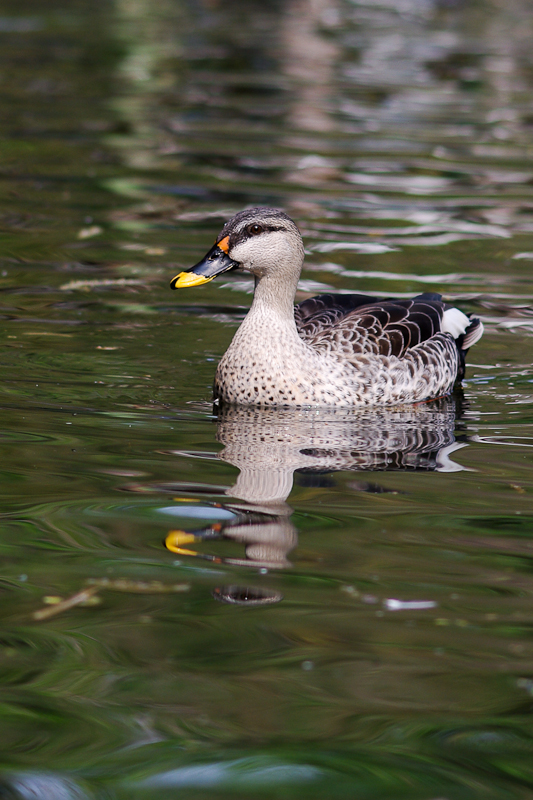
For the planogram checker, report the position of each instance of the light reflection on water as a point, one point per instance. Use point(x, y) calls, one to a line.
point(350, 615)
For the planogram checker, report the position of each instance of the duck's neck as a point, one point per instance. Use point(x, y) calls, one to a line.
point(274, 298)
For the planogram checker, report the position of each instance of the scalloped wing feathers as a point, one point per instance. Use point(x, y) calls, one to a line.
point(360, 324)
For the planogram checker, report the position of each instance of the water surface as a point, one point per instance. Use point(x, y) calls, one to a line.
point(276, 604)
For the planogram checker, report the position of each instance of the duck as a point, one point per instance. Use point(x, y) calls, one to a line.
point(333, 349)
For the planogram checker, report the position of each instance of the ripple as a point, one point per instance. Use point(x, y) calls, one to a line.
point(250, 772)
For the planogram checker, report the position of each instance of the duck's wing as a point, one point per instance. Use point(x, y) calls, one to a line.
point(329, 307)
point(358, 324)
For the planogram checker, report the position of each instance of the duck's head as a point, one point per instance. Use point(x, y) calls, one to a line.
point(259, 240)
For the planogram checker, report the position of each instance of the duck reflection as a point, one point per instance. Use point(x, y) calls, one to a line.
point(270, 445)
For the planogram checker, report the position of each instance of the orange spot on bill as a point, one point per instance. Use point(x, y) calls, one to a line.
point(224, 244)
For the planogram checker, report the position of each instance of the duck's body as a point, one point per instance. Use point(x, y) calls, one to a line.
point(340, 350)
point(311, 359)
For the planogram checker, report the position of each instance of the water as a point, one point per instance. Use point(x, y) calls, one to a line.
point(276, 604)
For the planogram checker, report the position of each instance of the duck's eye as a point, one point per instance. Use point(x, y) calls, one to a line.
point(255, 229)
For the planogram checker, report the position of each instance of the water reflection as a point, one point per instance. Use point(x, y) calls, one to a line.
point(399, 662)
point(267, 536)
point(389, 111)
point(270, 445)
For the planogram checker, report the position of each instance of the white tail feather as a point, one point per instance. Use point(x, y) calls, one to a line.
point(454, 322)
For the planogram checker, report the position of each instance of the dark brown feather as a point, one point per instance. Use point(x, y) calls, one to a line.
point(388, 327)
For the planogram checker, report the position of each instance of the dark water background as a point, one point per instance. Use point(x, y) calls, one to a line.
point(370, 638)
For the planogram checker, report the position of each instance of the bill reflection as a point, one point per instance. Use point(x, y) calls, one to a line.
point(270, 445)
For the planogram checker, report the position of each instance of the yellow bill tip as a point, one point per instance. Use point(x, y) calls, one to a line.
point(186, 279)
point(176, 540)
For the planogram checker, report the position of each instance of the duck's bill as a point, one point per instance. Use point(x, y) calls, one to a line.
point(214, 263)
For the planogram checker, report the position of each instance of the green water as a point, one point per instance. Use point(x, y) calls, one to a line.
point(352, 618)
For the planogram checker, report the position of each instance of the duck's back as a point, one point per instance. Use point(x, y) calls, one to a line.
point(355, 326)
